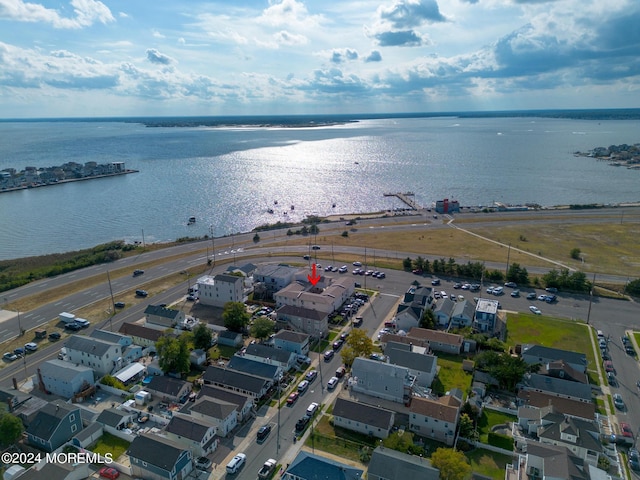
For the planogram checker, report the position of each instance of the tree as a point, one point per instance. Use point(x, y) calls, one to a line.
point(575, 253)
point(453, 465)
point(256, 238)
point(262, 327)
point(173, 353)
point(467, 427)
point(202, 337)
point(406, 264)
point(235, 316)
point(428, 319)
point(348, 355)
point(345, 234)
point(633, 287)
point(10, 429)
point(360, 343)
point(518, 274)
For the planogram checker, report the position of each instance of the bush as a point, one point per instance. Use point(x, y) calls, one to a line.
point(500, 441)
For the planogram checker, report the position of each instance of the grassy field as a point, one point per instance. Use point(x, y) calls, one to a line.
point(488, 463)
point(489, 419)
point(451, 375)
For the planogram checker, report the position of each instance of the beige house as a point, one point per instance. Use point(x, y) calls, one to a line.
point(326, 300)
point(435, 419)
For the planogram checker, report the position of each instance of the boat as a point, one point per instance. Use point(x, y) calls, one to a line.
point(192, 220)
point(270, 210)
point(275, 202)
point(293, 207)
point(333, 205)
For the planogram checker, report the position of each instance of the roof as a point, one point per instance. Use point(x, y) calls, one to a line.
point(130, 371)
point(392, 464)
point(275, 270)
point(485, 305)
point(91, 346)
point(107, 336)
point(229, 334)
point(235, 379)
point(247, 268)
point(224, 278)
point(266, 352)
point(558, 461)
point(166, 385)
point(563, 405)
point(188, 427)
point(164, 312)
point(295, 290)
point(236, 398)
point(434, 409)
point(309, 466)
point(213, 408)
point(366, 414)
point(50, 471)
point(48, 419)
point(380, 369)
point(291, 336)
point(444, 305)
point(63, 371)
point(549, 353)
point(112, 417)
point(557, 385)
point(415, 361)
point(436, 336)
point(301, 312)
point(587, 433)
point(253, 367)
point(141, 331)
point(463, 309)
point(157, 451)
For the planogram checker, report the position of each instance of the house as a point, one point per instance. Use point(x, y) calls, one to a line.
point(290, 341)
point(581, 437)
point(462, 314)
point(308, 466)
point(130, 352)
point(486, 315)
point(436, 419)
point(443, 310)
point(198, 357)
point(270, 355)
point(408, 316)
point(157, 458)
point(163, 316)
point(55, 471)
point(421, 365)
point(556, 386)
point(310, 322)
point(221, 415)
point(274, 277)
point(361, 418)
point(561, 369)
point(382, 380)
point(247, 270)
point(220, 289)
point(439, 341)
point(326, 300)
point(271, 372)
point(193, 433)
point(566, 406)
point(114, 419)
point(54, 425)
point(64, 378)
point(533, 354)
point(244, 383)
point(388, 464)
point(168, 389)
point(141, 335)
point(230, 339)
point(244, 403)
point(103, 357)
point(419, 295)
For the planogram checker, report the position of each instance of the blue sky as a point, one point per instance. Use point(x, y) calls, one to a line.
point(251, 57)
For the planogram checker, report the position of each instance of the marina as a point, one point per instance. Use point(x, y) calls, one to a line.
point(408, 198)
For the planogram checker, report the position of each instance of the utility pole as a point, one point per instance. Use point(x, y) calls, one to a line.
point(113, 303)
point(506, 273)
point(591, 298)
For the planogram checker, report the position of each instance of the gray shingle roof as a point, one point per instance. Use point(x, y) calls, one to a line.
point(61, 370)
point(235, 398)
point(107, 336)
point(415, 361)
point(188, 427)
point(141, 331)
point(91, 346)
point(213, 408)
point(48, 418)
point(235, 379)
point(159, 311)
point(157, 451)
point(549, 353)
point(166, 385)
point(291, 336)
point(301, 312)
point(309, 466)
point(112, 417)
point(387, 463)
point(545, 383)
point(366, 414)
point(253, 367)
point(221, 277)
point(263, 351)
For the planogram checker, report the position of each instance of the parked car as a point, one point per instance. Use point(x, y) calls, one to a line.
point(236, 463)
point(263, 433)
point(535, 310)
point(73, 326)
point(618, 401)
point(608, 366)
point(625, 428)
point(302, 386)
point(54, 336)
point(435, 281)
point(20, 352)
point(634, 459)
point(511, 284)
point(629, 350)
point(340, 372)
point(119, 304)
point(551, 290)
point(515, 293)
point(302, 423)
point(333, 381)
point(9, 357)
point(31, 347)
point(141, 293)
point(312, 409)
point(109, 472)
point(311, 376)
point(328, 355)
point(531, 296)
point(291, 399)
point(203, 463)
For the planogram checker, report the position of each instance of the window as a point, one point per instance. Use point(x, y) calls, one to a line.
point(74, 428)
point(72, 417)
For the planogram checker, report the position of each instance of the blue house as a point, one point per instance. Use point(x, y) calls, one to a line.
point(54, 425)
point(307, 466)
point(157, 458)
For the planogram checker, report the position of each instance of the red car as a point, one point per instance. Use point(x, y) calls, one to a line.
point(626, 430)
point(608, 366)
point(292, 398)
point(109, 472)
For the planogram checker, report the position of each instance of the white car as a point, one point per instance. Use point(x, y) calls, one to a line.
point(535, 310)
point(311, 410)
point(32, 347)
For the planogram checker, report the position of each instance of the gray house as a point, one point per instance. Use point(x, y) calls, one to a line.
point(53, 426)
point(157, 458)
point(168, 388)
point(230, 339)
point(274, 277)
point(64, 378)
point(443, 311)
point(556, 386)
point(244, 403)
point(270, 355)
point(462, 314)
point(388, 464)
point(310, 466)
point(243, 364)
point(533, 354)
point(166, 317)
point(103, 357)
point(222, 416)
point(193, 433)
point(361, 418)
point(244, 383)
point(113, 419)
point(290, 341)
point(486, 315)
point(420, 364)
point(382, 380)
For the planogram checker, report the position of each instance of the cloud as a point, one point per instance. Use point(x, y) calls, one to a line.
point(404, 38)
point(289, 13)
point(343, 55)
point(374, 56)
point(411, 13)
point(87, 12)
point(154, 56)
point(287, 38)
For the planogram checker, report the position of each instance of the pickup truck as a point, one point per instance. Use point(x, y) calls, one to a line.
point(267, 469)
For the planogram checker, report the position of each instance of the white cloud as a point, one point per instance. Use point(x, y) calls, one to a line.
point(86, 13)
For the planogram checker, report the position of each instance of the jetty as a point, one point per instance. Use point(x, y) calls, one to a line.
point(408, 198)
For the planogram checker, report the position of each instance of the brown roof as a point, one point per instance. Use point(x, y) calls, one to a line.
point(436, 336)
point(586, 410)
point(438, 409)
point(392, 337)
point(136, 330)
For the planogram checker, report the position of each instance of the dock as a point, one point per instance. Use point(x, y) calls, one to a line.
point(408, 198)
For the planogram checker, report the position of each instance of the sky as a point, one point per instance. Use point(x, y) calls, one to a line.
point(88, 58)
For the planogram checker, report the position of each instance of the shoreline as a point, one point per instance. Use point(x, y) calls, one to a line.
point(66, 180)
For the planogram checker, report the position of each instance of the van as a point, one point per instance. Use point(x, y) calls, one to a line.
point(340, 372)
point(236, 463)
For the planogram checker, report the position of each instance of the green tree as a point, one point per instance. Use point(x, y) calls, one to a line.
point(406, 264)
point(256, 238)
point(202, 336)
point(345, 234)
point(400, 443)
point(235, 316)
point(575, 253)
point(428, 319)
point(262, 327)
point(348, 355)
point(360, 343)
point(313, 229)
point(467, 427)
point(633, 287)
point(10, 429)
point(518, 274)
point(453, 465)
point(173, 353)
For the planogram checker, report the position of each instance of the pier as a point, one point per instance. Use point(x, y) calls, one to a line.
point(408, 198)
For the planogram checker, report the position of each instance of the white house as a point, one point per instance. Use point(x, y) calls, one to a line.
point(270, 355)
point(313, 323)
point(290, 341)
point(435, 419)
point(382, 380)
point(220, 289)
point(274, 277)
point(221, 415)
point(103, 357)
point(194, 433)
point(421, 365)
point(326, 300)
point(64, 378)
point(365, 419)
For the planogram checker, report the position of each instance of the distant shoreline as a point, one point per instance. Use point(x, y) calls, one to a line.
point(66, 180)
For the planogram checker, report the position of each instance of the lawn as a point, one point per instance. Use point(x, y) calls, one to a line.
point(451, 375)
point(491, 418)
point(489, 464)
point(110, 444)
point(338, 441)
